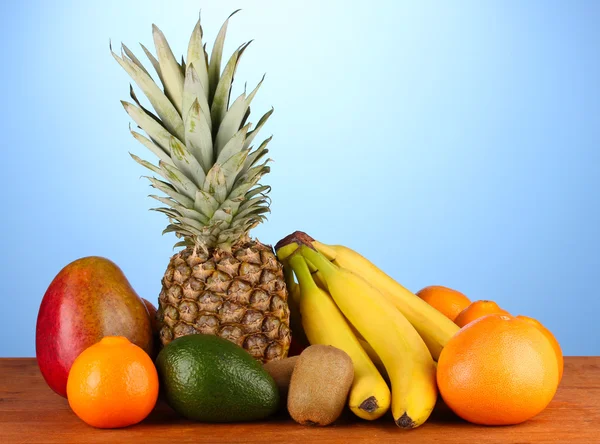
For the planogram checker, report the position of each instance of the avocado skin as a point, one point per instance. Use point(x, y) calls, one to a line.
point(210, 379)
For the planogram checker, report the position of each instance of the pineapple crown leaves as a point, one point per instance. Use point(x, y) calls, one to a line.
point(207, 169)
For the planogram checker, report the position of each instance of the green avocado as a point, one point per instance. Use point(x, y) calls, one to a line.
point(208, 378)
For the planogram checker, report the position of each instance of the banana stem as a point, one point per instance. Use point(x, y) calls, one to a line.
point(288, 273)
point(302, 272)
point(318, 260)
point(286, 251)
point(325, 250)
point(311, 266)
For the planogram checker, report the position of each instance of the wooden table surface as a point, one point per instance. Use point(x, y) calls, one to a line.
point(31, 413)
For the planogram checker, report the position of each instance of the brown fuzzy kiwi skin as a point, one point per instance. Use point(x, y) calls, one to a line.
point(281, 371)
point(320, 385)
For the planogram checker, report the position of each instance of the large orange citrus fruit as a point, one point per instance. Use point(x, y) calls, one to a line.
point(477, 310)
point(498, 370)
point(551, 338)
point(449, 302)
point(112, 384)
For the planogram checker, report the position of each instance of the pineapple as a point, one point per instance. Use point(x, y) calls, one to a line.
point(222, 282)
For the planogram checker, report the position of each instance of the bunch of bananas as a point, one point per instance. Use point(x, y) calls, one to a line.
point(342, 299)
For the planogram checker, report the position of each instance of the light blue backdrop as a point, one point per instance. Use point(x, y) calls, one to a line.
point(453, 143)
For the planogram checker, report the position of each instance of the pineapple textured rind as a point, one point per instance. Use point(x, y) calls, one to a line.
point(239, 295)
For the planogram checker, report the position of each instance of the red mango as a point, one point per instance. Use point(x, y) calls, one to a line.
point(90, 298)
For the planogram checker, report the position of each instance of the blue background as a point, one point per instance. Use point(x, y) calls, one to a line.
point(453, 143)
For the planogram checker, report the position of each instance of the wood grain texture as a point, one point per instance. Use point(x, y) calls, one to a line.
point(31, 413)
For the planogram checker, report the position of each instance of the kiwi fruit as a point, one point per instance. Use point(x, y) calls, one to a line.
point(281, 371)
point(320, 384)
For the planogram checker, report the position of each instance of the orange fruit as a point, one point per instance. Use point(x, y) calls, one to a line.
point(443, 299)
point(112, 384)
point(551, 338)
point(498, 370)
point(477, 310)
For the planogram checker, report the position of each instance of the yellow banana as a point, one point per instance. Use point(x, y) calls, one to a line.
point(324, 324)
point(367, 348)
point(286, 250)
point(292, 286)
point(318, 279)
point(435, 328)
point(374, 358)
point(294, 304)
point(406, 358)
